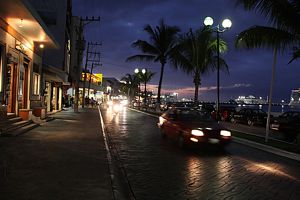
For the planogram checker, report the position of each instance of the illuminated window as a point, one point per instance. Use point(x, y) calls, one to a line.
point(36, 83)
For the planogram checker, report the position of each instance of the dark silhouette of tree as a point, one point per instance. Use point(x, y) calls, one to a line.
point(284, 32)
point(196, 54)
point(130, 86)
point(162, 40)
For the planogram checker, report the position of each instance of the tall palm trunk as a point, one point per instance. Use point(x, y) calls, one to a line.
point(196, 92)
point(197, 84)
point(160, 81)
point(145, 92)
point(271, 94)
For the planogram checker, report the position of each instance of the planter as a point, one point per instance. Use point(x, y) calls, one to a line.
point(40, 112)
point(25, 114)
point(3, 113)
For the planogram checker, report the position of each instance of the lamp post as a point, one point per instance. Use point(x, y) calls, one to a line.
point(226, 23)
point(137, 72)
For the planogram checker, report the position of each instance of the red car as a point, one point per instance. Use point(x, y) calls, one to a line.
point(188, 126)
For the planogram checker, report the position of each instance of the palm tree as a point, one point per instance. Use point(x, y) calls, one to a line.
point(283, 35)
point(196, 54)
point(145, 78)
point(162, 40)
point(130, 85)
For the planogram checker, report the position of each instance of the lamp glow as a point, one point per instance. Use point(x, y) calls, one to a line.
point(21, 23)
point(208, 21)
point(226, 23)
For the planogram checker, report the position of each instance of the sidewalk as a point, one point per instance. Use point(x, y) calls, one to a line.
point(61, 159)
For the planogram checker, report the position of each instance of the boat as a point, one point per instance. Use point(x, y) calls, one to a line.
point(295, 98)
point(250, 100)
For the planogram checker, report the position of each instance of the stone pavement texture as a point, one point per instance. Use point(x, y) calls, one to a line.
point(62, 159)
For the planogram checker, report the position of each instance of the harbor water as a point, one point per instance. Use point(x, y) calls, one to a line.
point(276, 108)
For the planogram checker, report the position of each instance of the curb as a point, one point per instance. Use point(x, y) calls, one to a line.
point(267, 148)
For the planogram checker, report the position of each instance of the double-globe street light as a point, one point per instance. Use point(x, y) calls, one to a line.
point(137, 72)
point(226, 24)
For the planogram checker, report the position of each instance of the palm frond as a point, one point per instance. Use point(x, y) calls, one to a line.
point(296, 55)
point(261, 36)
point(146, 77)
point(145, 47)
point(283, 14)
point(141, 57)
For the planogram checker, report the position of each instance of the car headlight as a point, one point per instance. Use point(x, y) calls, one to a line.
point(124, 102)
point(161, 120)
point(225, 133)
point(197, 133)
point(116, 107)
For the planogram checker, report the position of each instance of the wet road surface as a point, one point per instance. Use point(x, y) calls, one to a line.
point(158, 169)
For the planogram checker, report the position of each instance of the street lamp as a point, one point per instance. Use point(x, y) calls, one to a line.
point(226, 24)
point(137, 72)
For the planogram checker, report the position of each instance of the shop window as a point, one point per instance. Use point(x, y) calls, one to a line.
point(36, 84)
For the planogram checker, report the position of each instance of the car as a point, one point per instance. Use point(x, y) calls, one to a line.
point(192, 127)
point(250, 116)
point(288, 123)
point(226, 112)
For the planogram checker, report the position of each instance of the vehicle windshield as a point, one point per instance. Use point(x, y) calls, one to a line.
point(194, 116)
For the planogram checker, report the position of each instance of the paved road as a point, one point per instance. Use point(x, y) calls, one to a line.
point(157, 169)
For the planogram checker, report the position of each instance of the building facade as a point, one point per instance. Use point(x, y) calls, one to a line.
point(57, 15)
point(23, 38)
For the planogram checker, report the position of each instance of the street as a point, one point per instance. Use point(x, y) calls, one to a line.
point(158, 169)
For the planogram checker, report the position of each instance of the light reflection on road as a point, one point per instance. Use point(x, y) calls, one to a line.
point(159, 168)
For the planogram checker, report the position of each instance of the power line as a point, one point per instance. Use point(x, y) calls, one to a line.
point(84, 22)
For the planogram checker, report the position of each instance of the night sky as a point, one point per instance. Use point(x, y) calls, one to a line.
point(122, 22)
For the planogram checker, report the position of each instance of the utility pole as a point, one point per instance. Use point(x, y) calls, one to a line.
point(93, 64)
point(80, 48)
point(96, 58)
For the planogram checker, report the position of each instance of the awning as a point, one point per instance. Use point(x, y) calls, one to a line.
point(54, 74)
point(23, 18)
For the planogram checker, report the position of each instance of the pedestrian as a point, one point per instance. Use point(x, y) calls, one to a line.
point(72, 101)
point(87, 100)
point(92, 102)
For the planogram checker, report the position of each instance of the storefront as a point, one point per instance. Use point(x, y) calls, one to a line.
point(22, 40)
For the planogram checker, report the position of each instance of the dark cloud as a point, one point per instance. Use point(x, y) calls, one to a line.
point(122, 23)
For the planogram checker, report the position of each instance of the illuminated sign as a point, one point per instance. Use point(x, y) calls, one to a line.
point(99, 76)
point(95, 78)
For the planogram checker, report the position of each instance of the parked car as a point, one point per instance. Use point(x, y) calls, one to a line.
point(250, 116)
point(192, 126)
point(226, 112)
point(288, 123)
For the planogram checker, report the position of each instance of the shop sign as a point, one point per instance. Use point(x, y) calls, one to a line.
point(21, 47)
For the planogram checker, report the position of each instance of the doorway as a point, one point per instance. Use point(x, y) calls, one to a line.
point(11, 83)
point(23, 87)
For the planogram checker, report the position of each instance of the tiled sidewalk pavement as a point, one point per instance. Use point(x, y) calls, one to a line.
point(61, 159)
